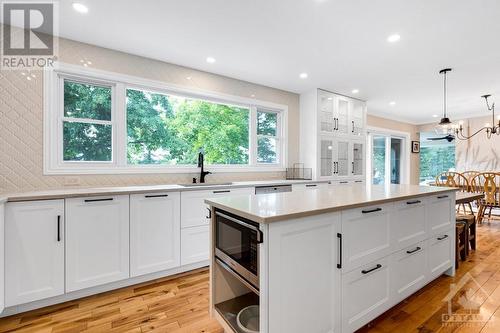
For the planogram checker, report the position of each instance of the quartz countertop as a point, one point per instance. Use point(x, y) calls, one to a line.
point(99, 191)
point(274, 207)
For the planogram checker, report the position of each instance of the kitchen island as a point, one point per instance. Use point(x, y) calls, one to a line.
point(327, 260)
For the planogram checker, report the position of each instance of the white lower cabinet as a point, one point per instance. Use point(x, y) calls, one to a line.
point(440, 213)
point(97, 241)
point(195, 244)
point(303, 258)
point(441, 253)
point(408, 222)
point(155, 228)
point(309, 186)
point(34, 251)
point(366, 293)
point(408, 270)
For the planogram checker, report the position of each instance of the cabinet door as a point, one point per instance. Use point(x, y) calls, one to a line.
point(365, 294)
point(357, 159)
point(34, 251)
point(441, 254)
point(155, 229)
point(195, 244)
point(327, 168)
point(408, 223)
point(408, 273)
point(342, 110)
point(357, 118)
point(365, 235)
point(194, 209)
point(304, 252)
point(327, 122)
point(309, 186)
point(441, 213)
point(341, 157)
point(97, 247)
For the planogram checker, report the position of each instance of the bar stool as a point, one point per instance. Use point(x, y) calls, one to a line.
point(470, 221)
point(461, 241)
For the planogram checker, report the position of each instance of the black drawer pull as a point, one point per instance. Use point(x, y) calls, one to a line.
point(371, 270)
point(311, 185)
point(443, 237)
point(222, 191)
point(371, 210)
point(339, 236)
point(418, 248)
point(97, 200)
point(442, 196)
point(413, 202)
point(358, 181)
point(156, 196)
point(58, 228)
point(209, 216)
point(344, 182)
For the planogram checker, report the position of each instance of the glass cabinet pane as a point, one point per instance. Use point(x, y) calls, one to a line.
point(357, 118)
point(326, 158)
point(357, 159)
point(343, 158)
point(342, 116)
point(326, 113)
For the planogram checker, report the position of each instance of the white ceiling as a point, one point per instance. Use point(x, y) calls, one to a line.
point(341, 44)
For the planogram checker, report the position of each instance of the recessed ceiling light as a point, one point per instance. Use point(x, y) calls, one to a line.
point(210, 60)
point(392, 103)
point(330, 99)
point(80, 7)
point(303, 75)
point(252, 95)
point(355, 91)
point(435, 116)
point(393, 38)
point(188, 77)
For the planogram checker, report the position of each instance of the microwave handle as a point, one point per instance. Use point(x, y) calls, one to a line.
point(246, 225)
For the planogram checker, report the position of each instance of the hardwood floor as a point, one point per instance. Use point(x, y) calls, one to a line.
point(180, 304)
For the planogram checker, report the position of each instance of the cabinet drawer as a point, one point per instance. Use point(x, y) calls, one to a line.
point(195, 244)
point(441, 213)
point(308, 186)
point(365, 294)
point(194, 209)
point(365, 235)
point(408, 223)
point(441, 254)
point(408, 271)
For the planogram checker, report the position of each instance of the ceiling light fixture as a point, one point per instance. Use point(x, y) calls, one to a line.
point(210, 60)
point(392, 103)
point(393, 38)
point(80, 7)
point(490, 130)
point(303, 75)
point(355, 91)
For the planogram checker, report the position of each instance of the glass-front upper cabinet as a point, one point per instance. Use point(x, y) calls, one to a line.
point(341, 115)
point(326, 158)
point(358, 158)
point(341, 159)
point(326, 110)
point(357, 118)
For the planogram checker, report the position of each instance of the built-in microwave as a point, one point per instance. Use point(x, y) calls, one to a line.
point(237, 245)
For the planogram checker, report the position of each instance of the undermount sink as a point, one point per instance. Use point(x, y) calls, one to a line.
point(205, 184)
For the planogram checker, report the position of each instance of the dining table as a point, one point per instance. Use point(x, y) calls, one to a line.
point(467, 197)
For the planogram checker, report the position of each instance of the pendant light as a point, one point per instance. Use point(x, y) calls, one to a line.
point(445, 126)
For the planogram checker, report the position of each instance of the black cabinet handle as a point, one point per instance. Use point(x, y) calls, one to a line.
point(58, 228)
point(358, 181)
point(339, 237)
point(337, 124)
point(156, 196)
point(371, 210)
point(413, 202)
point(344, 182)
point(372, 269)
point(222, 191)
point(443, 237)
point(353, 167)
point(209, 216)
point(335, 167)
point(311, 185)
point(418, 248)
point(442, 196)
point(97, 200)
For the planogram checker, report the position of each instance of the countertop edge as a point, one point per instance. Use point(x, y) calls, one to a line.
point(277, 218)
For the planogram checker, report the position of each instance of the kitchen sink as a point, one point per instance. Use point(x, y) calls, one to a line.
point(205, 184)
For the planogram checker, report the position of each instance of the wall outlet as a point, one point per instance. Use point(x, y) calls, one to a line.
point(71, 181)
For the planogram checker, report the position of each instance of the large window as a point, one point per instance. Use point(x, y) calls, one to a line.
point(436, 156)
point(105, 123)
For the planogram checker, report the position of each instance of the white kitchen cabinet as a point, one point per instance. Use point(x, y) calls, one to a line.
point(305, 253)
point(441, 253)
point(408, 223)
point(357, 158)
point(440, 213)
point(407, 270)
point(195, 244)
point(365, 294)
point(309, 186)
point(365, 234)
point(155, 229)
point(193, 208)
point(357, 118)
point(97, 241)
point(34, 251)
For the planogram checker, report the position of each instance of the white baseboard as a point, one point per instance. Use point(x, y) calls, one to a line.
point(99, 289)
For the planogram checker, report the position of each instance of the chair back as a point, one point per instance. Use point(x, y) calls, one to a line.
point(469, 175)
point(489, 184)
point(453, 179)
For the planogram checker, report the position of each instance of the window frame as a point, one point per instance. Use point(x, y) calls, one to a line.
point(54, 163)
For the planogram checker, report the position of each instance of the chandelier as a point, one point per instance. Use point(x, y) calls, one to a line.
point(489, 128)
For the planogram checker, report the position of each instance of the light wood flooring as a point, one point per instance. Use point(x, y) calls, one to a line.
point(180, 304)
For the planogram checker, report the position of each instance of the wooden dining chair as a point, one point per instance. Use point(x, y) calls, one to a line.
point(455, 179)
point(489, 184)
point(469, 175)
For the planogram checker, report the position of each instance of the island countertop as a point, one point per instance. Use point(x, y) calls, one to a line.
point(266, 208)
